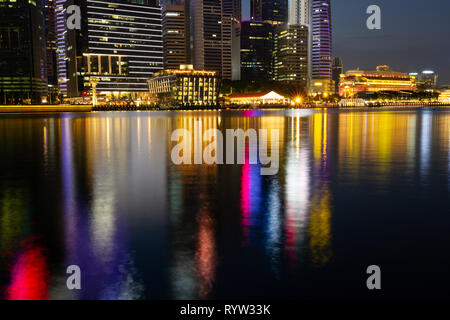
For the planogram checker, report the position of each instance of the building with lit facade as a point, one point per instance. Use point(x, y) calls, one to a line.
point(50, 38)
point(23, 72)
point(184, 87)
point(337, 70)
point(291, 54)
point(256, 51)
point(444, 96)
point(258, 99)
point(382, 79)
point(321, 46)
point(175, 35)
point(118, 48)
point(233, 9)
point(274, 12)
point(427, 80)
point(299, 12)
point(211, 36)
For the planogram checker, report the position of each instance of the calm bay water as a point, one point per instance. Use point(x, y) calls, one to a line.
point(99, 190)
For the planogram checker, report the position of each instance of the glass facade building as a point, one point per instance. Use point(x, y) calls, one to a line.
point(291, 54)
point(211, 36)
point(299, 12)
point(23, 71)
point(256, 51)
point(119, 47)
point(175, 35)
point(321, 44)
point(272, 11)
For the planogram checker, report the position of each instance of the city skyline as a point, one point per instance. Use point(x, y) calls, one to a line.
point(403, 22)
point(118, 45)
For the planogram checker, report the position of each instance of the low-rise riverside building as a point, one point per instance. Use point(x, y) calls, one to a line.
point(185, 87)
point(444, 97)
point(382, 79)
point(258, 99)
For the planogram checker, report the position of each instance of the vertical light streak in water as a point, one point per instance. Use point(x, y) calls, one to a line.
point(108, 239)
point(183, 271)
point(319, 227)
point(251, 200)
point(103, 221)
point(45, 146)
point(411, 143)
point(297, 195)
point(108, 137)
point(138, 132)
point(68, 185)
point(274, 227)
point(206, 253)
point(425, 142)
point(149, 135)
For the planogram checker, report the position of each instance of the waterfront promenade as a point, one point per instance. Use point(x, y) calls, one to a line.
point(44, 108)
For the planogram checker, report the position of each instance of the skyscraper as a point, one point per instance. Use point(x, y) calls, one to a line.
point(299, 12)
point(256, 51)
point(175, 35)
point(23, 73)
point(50, 37)
point(211, 36)
point(61, 44)
point(271, 11)
point(233, 9)
point(291, 55)
point(119, 47)
point(321, 45)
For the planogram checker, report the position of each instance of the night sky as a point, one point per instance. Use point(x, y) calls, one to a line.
point(415, 35)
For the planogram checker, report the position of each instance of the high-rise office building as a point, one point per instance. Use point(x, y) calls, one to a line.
point(23, 74)
point(50, 37)
point(299, 12)
point(337, 70)
point(256, 51)
point(291, 54)
point(233, 9)
point(211, 36)
point(175, 35)
point(271, 11)
point(118, 48)
point(321, 45)
point(61, 44)
point(299, 23)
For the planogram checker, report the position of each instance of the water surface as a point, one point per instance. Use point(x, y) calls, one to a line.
point(99, 190)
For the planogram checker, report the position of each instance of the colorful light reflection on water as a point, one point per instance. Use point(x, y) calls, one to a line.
point(99, 190)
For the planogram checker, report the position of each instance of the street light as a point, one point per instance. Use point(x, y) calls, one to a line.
point(93, 82)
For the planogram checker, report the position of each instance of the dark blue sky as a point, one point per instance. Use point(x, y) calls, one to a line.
point(415, 35)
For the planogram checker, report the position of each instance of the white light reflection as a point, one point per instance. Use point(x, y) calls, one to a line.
point(274, 227)
point(297, 194)
point(425, 143)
